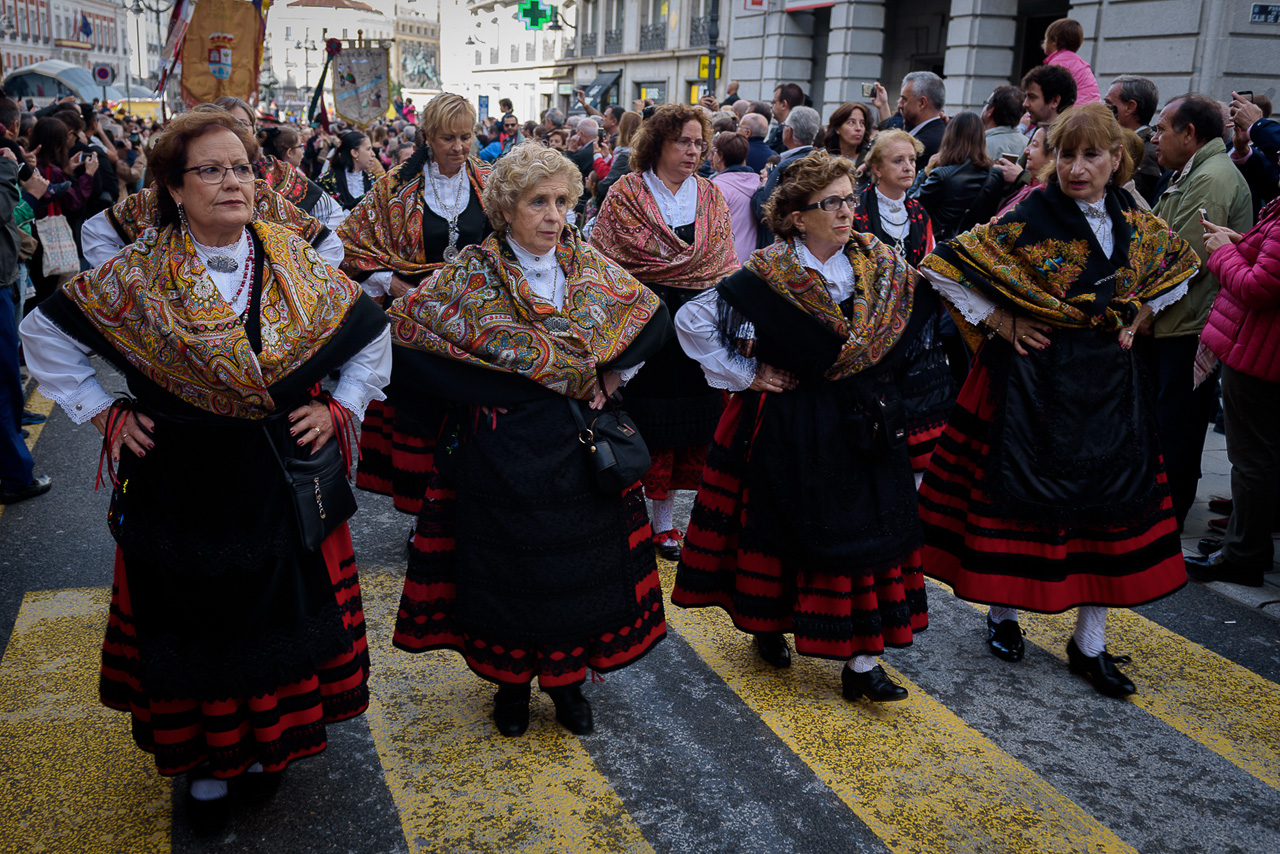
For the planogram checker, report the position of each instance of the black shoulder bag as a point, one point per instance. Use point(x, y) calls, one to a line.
point(322, 497)
point(616, 450)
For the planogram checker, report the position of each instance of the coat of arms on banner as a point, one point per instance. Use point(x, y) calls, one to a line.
point(361, 84)
point(220, 54)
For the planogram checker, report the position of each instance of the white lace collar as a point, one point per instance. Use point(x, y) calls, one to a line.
point(837, 271)
point(542, 272)
point(678, 208)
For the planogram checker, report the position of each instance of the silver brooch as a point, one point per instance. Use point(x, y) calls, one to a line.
point(222, 263)
point(558, 326)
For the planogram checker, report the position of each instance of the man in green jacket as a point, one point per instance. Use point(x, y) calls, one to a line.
point(1189, 140)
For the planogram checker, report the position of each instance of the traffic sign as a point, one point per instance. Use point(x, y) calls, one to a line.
point(103, 74)
point(703, 62)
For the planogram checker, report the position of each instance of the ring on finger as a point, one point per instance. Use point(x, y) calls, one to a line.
point(317, 429)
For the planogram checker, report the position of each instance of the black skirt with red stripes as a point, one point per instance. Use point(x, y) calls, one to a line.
point(231, 732)
point(395, 454)
point(520, 563)
point(1078, 513)
point(839, 568)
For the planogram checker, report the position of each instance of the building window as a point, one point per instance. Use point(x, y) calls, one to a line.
point(656, 92)
point(288, 32)
point(477, 57)
point(653, 27)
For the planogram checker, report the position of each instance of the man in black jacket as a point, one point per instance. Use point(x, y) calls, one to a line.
point(922, 98)
point(786, 98)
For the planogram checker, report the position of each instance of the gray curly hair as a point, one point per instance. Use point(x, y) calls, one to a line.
point(518, 172)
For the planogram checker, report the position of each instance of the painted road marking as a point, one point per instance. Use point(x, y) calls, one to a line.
point(42, 406)
point(458, 785)
point(914, 772)
point(1192, 689)
point(74, 781)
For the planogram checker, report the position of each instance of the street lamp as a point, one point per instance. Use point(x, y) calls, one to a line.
point(307, 48)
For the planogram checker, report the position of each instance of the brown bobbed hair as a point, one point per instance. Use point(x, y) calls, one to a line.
point(627, 127)
point(1065, 33)
point(964, 140)
point(518, 172)
point(664, 126)
point(168, 157)
point(831, 141)
point(444, 112)
point(733, 147)
point(801, 179)
point(1089, 126)
point(886, 138)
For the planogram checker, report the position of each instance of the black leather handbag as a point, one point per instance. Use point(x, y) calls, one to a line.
point(616, 450)
point(322, 496)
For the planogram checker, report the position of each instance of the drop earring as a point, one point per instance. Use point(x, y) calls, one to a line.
point(182, 217)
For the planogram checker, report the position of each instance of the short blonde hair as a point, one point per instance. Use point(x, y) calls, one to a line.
point(518, 172)
point(886, 138)
point(445, 111)
point(801, 178)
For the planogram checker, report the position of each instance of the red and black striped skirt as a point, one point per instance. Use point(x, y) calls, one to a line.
point(989, 558)
point(428, 620)
point(672, 469)
point(231, 734)
point(395, 453)
point(832, 615)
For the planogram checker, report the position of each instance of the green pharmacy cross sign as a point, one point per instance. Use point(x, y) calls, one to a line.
point(536, 14)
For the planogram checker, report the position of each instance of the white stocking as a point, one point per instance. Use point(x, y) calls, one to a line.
point(862, 663)
point(663, 514)
point(208, 789)
point(1091, 630)
point(1000, 615)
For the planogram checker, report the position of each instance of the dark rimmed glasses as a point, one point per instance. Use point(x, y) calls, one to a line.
point(831, 204)
point(211, 174)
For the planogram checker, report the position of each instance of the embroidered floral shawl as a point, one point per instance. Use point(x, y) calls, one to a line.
point(1041, 259)
point(481, 311)
point(135, 214)
point(884, 288)
point(154, 302)
point(287, 180)
point(384, 232)
point(631, 231)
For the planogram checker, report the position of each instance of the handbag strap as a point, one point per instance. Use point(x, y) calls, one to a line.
point(585, 434)
point(271, 443)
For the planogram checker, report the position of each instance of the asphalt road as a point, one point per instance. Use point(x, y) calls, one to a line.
point(700, 747)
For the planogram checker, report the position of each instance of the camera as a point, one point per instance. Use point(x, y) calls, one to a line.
point(868, 90)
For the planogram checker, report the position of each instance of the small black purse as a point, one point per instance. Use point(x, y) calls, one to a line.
point(322, 497)
point(616, 450)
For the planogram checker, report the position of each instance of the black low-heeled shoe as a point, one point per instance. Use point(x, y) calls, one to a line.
point(511, 710)
point(1005, 639)
point(670, 551)
point(1101, 671)
point(774, 649)
point(875, 685)
point(257, 787)
point(572, 709)
point(206, 817)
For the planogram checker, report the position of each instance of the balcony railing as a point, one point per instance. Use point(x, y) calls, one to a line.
point(653, 36)
point(590, 42)
point(569, 49)
point(613, 41)
point(698, 31)
point(493, 56)
point(530, 52)
point(515, 53)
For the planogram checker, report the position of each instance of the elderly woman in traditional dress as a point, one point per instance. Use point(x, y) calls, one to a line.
point(522, 562)
point(229, 642)
point(1046, 491)
point(671, 229)
point(806, 519)
point(427, 211)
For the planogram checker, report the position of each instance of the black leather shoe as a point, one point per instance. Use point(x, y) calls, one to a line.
point(511, 710)
point(206, 817)
point(1208, 545)
point(774, 649)
point(29, 418)
point(572, 709)
point(1101, 671)
point(875, 685)
point(1005, 639)
point(39, 486)
point(257, 787)
point(1216, 567)
point(669, 550)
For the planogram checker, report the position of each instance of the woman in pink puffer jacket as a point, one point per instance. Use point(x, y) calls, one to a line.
point(1244, 332)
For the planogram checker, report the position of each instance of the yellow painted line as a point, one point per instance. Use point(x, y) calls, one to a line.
point(42, 405)
point(918, 776)
point(458, 785)
point(74, 781)
point(1210, 699)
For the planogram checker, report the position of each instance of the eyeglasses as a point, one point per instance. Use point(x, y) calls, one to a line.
point(686, 144)
point(831, 204)
point(216, 174)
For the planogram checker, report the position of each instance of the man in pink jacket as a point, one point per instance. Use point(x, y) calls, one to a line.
point(1061, 41)
point(1244, 332)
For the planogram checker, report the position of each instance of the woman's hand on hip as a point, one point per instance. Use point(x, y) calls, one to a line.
point(311, 424)
point(135, 435)
point(1024, 333)
point(769, 378)
point(398, 287)
point(611, 380)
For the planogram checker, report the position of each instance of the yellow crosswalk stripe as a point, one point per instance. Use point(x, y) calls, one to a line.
point(457, 784)
point(42, 406)
point(1227, 708)
point(74, 779)
point(917, 775)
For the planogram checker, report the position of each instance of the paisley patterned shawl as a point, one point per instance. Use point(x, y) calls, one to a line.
point(1041, 259)
point(384, 232)
point(135, 214)
point(287, 180)
point(155, 303)
point(481, 311)
point(631, 231)
point(882, 298)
